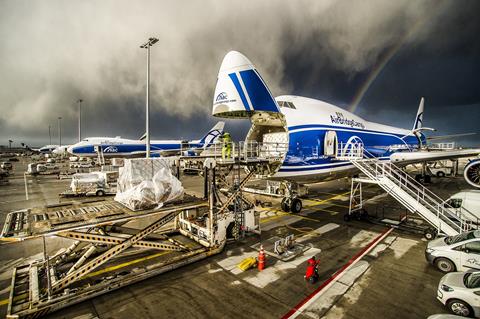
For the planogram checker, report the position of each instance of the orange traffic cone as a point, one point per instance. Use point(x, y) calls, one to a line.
point(261, 259)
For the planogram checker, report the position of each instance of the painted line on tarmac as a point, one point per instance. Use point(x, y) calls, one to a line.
point(305, 303)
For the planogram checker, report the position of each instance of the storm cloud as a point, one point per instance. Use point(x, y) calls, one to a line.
point(54, 52)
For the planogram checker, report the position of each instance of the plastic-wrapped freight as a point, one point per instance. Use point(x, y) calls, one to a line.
point(146, 183)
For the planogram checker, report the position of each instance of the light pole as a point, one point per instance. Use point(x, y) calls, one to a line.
point(60, 130)
point(10, 144)
point(79, 119)
point(50, 134)
point(147, 45)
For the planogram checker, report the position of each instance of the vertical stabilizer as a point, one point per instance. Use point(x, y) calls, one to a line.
point(419, 119)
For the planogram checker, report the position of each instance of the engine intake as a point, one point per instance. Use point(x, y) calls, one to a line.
point(472, 173)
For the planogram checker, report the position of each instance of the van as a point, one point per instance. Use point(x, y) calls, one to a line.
point(467, 202)
point(455, 253)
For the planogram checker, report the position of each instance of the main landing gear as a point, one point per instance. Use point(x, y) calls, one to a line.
point(291, 202)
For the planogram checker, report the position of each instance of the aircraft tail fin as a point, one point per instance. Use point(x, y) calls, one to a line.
point(212, 135)
point(240, 90)
point(419, 118)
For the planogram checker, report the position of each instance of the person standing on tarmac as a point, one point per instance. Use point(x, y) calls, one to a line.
point(311, 274)
point(227, 145)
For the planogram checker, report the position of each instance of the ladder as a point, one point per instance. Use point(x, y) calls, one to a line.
point(415, 197)
point(101, 158)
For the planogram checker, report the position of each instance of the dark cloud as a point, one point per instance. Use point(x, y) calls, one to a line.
point(54, 52)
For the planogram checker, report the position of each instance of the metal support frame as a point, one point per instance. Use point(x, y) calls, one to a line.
point(356, 197)
point(110, 253)
point(115, 240)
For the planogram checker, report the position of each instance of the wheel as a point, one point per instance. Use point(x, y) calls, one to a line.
point(460, 308)
point(285, 205)
point(419, 178)
point(440, 174)
point(430, 233)
point(100, 193)
point(296, 206)
point(346, 217)
point(444, 265)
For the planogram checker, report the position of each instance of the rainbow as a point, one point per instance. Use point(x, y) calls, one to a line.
point(380, 65)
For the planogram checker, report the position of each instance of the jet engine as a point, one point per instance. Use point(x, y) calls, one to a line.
point(472, 173)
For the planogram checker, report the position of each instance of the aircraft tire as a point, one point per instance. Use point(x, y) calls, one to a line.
point(285, 206)
point(440, 174)
point(296, 206)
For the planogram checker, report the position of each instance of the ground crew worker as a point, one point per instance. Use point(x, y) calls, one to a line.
point(311, 275)
point(227, 145)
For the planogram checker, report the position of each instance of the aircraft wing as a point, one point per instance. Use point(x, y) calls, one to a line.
point(405, 158)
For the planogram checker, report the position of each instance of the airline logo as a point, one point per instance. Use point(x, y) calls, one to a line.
point(221, 97)
point(110, 149)
point(339, 118)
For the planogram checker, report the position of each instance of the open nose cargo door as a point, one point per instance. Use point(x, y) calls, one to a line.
point(242, 93)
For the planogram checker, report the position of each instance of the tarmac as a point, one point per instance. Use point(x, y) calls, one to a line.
point(367, 269)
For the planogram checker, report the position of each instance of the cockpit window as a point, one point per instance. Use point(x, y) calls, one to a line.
point(290, 105)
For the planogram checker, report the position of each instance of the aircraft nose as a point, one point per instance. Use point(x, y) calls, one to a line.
point(70, 149)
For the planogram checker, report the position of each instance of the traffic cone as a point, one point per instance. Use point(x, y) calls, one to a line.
point(261, 259)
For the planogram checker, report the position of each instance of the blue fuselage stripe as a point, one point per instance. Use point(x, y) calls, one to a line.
point(257, 91)
point(235, 81)
point(306, 146)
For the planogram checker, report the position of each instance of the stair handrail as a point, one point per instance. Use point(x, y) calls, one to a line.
point(466, 220)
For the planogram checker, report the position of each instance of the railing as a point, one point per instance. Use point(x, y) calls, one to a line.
point(443, 146)
point(349, 151)
point(247, 150)
point(456, 219)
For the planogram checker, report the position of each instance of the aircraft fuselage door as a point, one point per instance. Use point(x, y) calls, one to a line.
point(330, 144)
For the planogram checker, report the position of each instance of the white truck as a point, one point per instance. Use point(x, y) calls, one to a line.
point(441, 168)
point(467, 202)
point(93, 184)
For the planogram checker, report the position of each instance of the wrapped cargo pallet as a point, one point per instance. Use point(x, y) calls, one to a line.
point(146, 183)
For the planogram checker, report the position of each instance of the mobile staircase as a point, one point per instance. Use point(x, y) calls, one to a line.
point(406, 190)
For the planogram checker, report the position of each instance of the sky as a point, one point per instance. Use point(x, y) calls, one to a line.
point(376, 58)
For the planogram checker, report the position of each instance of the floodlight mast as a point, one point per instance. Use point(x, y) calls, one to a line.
point(147, 45)
point(60, 130)
point(79, 101)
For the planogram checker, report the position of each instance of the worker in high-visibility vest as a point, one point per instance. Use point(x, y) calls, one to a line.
point(311, 274)
point(227, 145)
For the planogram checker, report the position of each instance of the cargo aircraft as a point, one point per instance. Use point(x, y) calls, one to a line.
point(121, 147)
point(315, 132)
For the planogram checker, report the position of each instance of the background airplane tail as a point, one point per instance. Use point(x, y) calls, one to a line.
point(419, 118)
point(213, 135)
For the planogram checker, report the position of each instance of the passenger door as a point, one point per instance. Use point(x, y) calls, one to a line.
point(330, 144)
point(470, 256)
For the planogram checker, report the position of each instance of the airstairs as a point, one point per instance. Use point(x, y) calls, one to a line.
point(406, 190)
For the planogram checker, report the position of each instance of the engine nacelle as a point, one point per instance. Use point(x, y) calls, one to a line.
point(472, 173)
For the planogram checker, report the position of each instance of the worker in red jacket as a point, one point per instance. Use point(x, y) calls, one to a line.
point(311, 275)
